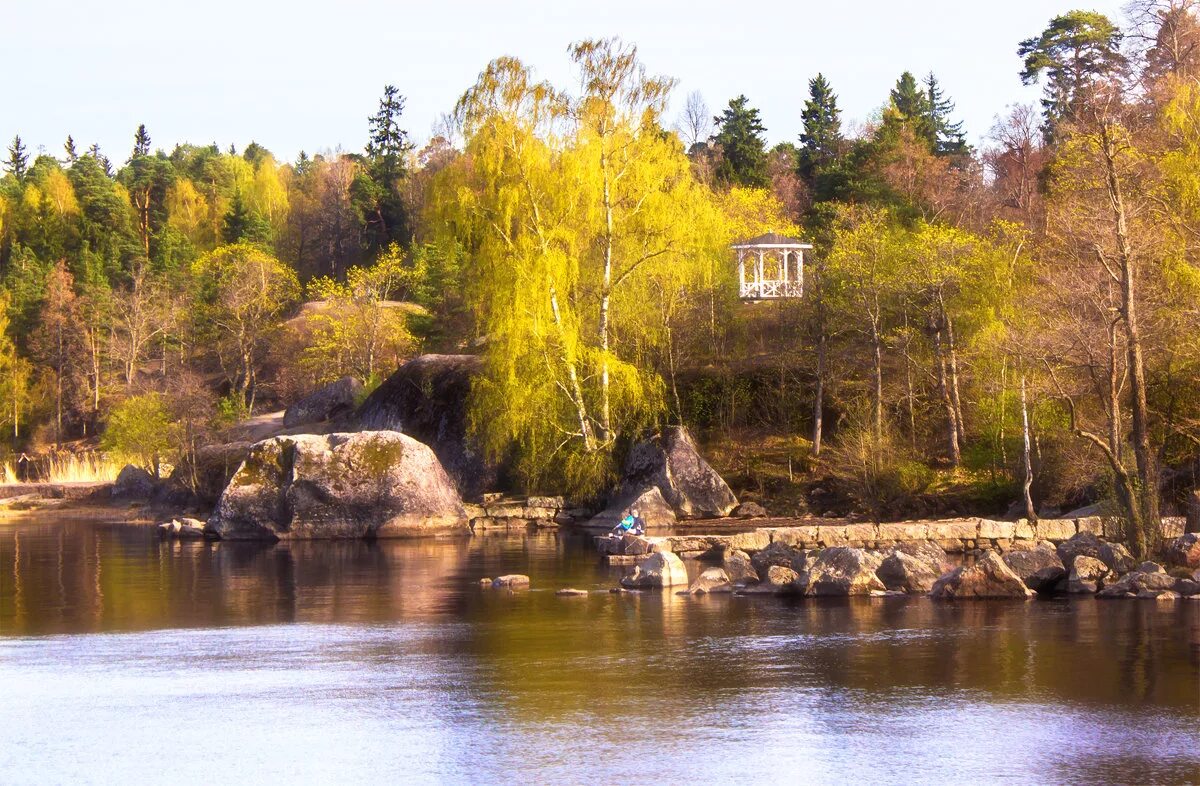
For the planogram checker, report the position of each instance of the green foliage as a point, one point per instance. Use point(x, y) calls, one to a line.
point(743, 148)
point(1074, 51)
point(140, 430)
point(821, 140)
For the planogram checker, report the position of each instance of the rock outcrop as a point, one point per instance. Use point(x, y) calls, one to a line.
point(1039, 567)
point(209, 472)
point(662, 569)
point(325, 403)
point(989, 577)
point(1184, 551)
point(133, 483)
point(372, 484)
point(777, 553)
point(1087, 575)
point(710, 581)
point(738, 567)
point(844, 571)
point(649, 504)
point(1114, 555)
point(182, 529)
point(1148, 581)
point(903, 572)
point(749, 510)
point(426, 398)
point(777, 580)
point(672, 463)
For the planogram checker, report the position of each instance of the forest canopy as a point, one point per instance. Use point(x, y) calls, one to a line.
point(1023, 310)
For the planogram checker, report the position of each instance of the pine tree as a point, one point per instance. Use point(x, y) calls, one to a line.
point(378, 193)
point(743, 147)
point(821, 139)
point(141, 142)
point(18, 159)
point(949, 139)
point(911, 103)
point(388, 142)
point(1074, 51)
point(69, 147)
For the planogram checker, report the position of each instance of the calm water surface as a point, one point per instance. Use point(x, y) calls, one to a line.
point(128, 660)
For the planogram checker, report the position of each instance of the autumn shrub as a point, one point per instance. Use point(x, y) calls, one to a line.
point(877, 471)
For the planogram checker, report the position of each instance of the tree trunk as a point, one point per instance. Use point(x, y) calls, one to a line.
point(1146, 532)
point(877, 347)
point(952, 430)
point(819, 398)
point(953, 361)
point(1027, 457)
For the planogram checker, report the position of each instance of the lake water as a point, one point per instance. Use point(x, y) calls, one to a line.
point(128, 660)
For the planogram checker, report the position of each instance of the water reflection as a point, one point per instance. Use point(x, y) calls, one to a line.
point(335, 642)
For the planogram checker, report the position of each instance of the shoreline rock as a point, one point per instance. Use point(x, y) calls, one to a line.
point(372, 484)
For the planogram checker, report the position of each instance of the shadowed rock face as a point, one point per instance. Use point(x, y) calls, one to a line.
point(426, 398)
point(336, 398)
point(990, 577)
point(369, 484)
point(672, 462)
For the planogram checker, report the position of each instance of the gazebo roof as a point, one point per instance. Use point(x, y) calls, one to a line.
point(772, 240)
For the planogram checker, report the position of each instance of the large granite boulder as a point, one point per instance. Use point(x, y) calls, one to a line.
point(325, 403)
point(1149, 580)
point(371, 484)
point(1087, 575)
point(739, 567)
point(662, 569)
point(777, 580)
point(427, 398)
point(777, 553)
point(649, 503)
point(133, 483)
point(207, 473)
point(989, 577)
point(1184, 551)
point(904, 572)
point(1039, 567)
point(710, 581)
point(1114, 555)
point(671, 462)
point(844, 571)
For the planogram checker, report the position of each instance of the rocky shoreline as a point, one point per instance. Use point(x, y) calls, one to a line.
point(776, 563)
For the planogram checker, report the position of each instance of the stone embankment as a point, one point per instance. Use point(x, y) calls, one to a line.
point(499, 512)
point(783, 561)
point(952, 535)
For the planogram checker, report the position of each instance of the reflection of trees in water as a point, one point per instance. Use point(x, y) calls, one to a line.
point(544, 656)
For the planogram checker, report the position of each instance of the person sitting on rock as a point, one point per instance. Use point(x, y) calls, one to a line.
point(631, 524)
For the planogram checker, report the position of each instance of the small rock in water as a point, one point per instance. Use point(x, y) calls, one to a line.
point(570, 592)
point(511, 580)
point(485, 582)
point(711, 580)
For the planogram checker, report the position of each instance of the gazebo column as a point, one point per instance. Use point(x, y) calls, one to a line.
point(759, 271)
point(741, 272)
point(783, 264)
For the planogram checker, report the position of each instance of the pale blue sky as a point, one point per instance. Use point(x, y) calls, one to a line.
point(305, 75)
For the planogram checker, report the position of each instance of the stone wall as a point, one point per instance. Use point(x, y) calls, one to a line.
point(497, 512)
point(953, 535)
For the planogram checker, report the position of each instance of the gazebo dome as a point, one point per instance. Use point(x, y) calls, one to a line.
point(777, 267)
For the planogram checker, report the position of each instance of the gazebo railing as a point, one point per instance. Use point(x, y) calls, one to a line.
point(767, 290)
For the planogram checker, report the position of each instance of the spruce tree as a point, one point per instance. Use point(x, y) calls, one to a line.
point(381, 204)
point(948, 137)
point(821, 139)
point(743, 147)
point(18, 159)
point(912, 105)
point(69, 147)
point(388, 142)
point(141, 142)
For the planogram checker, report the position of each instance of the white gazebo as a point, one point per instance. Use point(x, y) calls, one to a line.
point(776, 267)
